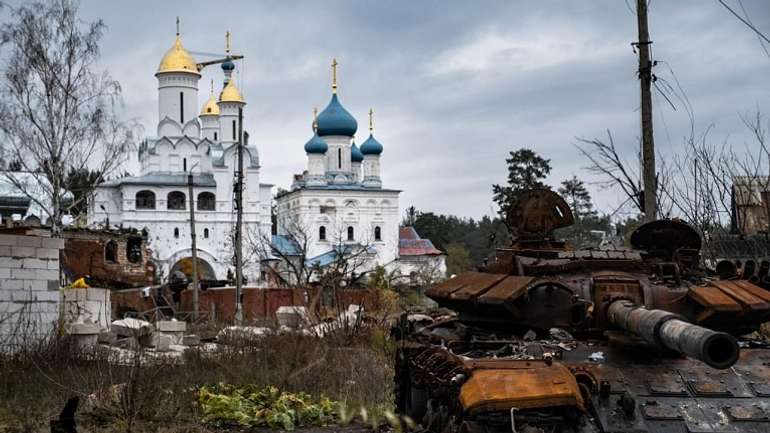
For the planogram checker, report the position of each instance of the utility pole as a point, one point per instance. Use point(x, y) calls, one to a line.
point(194, 247)
point(238, 223)
point(648, 146)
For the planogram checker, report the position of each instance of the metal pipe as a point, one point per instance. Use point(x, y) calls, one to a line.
point(665, 329)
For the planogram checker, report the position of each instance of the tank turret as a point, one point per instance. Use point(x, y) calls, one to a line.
point(623, 339)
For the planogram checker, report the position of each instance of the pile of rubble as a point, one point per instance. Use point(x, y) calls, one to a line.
point(168, 339)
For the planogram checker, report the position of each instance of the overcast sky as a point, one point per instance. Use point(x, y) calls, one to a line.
point(455, 85)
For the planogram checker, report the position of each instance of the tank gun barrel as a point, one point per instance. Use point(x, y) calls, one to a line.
point(662, 328)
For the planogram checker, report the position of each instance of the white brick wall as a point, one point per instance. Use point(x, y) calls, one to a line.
point(29, 288)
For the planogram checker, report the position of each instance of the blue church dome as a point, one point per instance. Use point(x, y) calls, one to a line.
point(335, 120)
point(355, 154)
point(228, 65)
point(371, 146)
point(316, 145)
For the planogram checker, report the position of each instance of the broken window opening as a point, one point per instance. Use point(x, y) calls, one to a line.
point(176, 232)
point(377, 233)
point(322, 233)
point(206, 233)
point(111, 252)
point(134, 250)
point(175, 200)
point(351, 233)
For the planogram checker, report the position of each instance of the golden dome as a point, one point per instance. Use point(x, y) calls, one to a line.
point(177, 59)
point(210, 108)
point(231, 94)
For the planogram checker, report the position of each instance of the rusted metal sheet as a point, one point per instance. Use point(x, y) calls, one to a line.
point(535, 385)
point(740, 294)
point(476, 285)
point(713, 298)
point(507, 290)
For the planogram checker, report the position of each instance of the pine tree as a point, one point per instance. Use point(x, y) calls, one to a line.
point(526, 170)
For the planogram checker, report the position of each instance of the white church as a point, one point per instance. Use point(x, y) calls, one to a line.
point(338, 201)
point(203, 143)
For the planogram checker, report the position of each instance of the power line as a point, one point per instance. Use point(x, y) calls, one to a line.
point(745, 21)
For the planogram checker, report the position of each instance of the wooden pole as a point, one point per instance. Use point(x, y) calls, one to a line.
point(648, 144)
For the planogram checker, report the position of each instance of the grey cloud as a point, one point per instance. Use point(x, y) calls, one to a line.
point(447, 130)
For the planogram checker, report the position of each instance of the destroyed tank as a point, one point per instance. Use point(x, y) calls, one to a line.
point(553, 339)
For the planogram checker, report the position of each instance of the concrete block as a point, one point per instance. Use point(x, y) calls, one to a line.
point(53, 285)
point(24, 274)
point(171, 326)
point(191, 340)
point(47, 253)
point(84, 329)
point(53, 243)
point(53, 264)
point(47, 274)
point(5, 251)
point(100, 295)
point(46, 296)
point(34, 264)
point(127, 343)
point(177, 348)
point(36, 285)
point(131, 327)
point(5, 273)
point(108, 338)
point(23, 252)
point(85, 342)
point(28, 241)
point(8, 240)
point(160, 342)
point(293, 317)
point(9, 262)
point(12, 285)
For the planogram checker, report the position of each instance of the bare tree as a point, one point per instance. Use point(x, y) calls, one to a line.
point(56, 113)
point(606, 162)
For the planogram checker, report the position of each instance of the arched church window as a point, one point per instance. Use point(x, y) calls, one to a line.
point(145, 200)
point(322, 233)
point(206, 233)
point(175, 200)
point(339, 159)
point(176, 232)
point(111, 252)
point(351, 233)
point(207, 201)
point(215, 136)
point(184, 164)
point(377, 233)
point(181, 108)
point(234, 130)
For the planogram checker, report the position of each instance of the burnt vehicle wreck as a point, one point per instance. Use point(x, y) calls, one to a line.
point(550, 339)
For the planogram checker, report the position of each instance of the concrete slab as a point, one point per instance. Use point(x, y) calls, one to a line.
point(171, 326)
point(84, 329)
point(191, 340)
point(131, 327)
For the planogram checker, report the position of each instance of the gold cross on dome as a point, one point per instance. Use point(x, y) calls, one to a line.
point(177, 26)
point(334, 75)
point(227, 42)
point(315, 119)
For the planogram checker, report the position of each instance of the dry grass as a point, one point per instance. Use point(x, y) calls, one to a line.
point(160, 397)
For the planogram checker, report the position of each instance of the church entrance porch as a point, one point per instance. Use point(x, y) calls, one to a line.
point(184, 265)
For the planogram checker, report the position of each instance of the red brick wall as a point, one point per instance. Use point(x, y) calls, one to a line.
point(257, 303)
